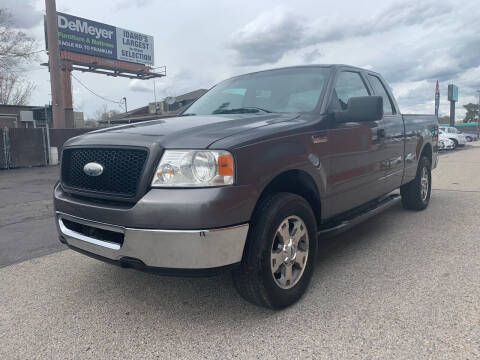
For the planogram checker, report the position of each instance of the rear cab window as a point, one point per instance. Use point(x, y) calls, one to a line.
point(380, 90)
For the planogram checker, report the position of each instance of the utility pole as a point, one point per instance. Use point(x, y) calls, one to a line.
point(54, 66)
point(125, 102)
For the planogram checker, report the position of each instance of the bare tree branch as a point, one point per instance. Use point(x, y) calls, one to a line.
point(15, 90)
point(104, 114)
point(16, 48)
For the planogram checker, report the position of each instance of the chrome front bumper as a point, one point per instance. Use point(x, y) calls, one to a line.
point(176, 249)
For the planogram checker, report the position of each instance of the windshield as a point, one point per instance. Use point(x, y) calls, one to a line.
point(284, 90)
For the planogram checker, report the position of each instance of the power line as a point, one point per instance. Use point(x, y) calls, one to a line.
point(94, 93)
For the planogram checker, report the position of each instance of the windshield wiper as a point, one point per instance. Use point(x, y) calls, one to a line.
point(187, 114)
point(241, 110)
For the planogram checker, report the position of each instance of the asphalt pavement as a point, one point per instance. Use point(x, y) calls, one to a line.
point(27, 228)
point(403, 285)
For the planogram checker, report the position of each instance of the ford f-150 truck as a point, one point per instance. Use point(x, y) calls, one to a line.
point(247, 179)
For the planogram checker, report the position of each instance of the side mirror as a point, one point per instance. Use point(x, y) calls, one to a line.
point(361, 109)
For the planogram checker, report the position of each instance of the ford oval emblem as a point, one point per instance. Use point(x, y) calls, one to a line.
point(93, 169)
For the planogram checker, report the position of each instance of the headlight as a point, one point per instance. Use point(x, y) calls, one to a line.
point(194, 168)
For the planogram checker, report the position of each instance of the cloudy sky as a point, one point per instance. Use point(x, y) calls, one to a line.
point(412, 43)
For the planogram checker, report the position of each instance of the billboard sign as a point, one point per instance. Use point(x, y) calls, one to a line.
point(97, 39)
point(452, 93)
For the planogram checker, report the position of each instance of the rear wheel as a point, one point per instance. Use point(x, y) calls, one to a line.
point(455, 143)
point(280, 253)
point(469, 139)
point(416, 194)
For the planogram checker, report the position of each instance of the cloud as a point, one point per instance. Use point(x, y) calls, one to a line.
point(268, 37)
point(23, 13)
point(412, 44)
point(271, 35)
point(140, 86)
point(175, 84)
point(312, 56)
point(134, 3)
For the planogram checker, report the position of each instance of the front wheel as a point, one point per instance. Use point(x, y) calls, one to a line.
point(280, 252)
point(416, 194)
point(455, 143)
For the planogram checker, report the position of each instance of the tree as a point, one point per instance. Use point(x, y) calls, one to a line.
point(14, 90)
point(472, 112)
point(104, 115)
point(16, 49)
point(91, 123)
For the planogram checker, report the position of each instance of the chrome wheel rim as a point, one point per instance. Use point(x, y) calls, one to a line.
point(289, 253)
point(424, 184)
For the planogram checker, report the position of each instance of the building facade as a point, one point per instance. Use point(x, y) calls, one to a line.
point(25, 117)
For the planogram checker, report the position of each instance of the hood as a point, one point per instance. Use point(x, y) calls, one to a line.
point(195, 132)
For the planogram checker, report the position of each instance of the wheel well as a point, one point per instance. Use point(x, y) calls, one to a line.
point(296, 182)
point(427, 152)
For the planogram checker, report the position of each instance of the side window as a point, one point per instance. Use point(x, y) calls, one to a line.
point(349, 84)
point(380, 90)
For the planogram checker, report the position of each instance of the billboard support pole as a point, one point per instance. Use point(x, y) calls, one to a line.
point(58, 108)
point(452, 97)
point(452, 113)
point(67, 93)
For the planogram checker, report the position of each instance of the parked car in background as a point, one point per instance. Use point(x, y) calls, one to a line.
point(470, 137)
point(444, 143)
point(441, 145)
point(453, 134)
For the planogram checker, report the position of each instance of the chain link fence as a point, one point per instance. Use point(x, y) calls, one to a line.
point(31, 147)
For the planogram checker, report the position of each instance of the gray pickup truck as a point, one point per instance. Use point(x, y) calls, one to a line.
point(247, 179)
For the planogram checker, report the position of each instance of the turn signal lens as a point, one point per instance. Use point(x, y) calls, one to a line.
point(225, 165)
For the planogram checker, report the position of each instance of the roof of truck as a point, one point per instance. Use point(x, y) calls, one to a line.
point(333, 66)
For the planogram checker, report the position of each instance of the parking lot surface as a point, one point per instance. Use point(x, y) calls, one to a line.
point(403, 285)
point(27, 229)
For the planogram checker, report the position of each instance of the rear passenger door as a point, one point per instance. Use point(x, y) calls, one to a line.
point(394, 133)
point(356, 150)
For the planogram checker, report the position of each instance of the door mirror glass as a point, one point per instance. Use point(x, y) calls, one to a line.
point(361, 109)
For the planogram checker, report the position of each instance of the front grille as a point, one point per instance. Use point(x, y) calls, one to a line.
point(93, 232)
point(122, 169)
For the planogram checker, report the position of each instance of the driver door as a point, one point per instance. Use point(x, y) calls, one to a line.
point(356, 150)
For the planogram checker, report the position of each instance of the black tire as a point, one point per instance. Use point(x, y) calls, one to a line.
point(254, 279)
point(412, 196)
point(469, 139)
point(455, 143)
